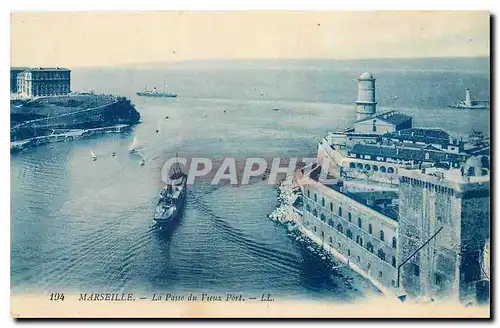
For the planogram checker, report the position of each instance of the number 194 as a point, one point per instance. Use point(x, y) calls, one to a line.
point(57, 297)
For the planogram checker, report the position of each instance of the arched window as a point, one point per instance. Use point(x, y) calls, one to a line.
point(331, 240)
point(381, 254)
point(382, 169)
point(359, 223)
point(382, 235)
point(375, 168)
point(390, 169)
point(323, 201)
point(308, 208)
point(359, 259)
point(427, 156)
point(314, 228)
point(331, 223)
point(315, 197)
point(370, 229)
point(380, 274)
point(352, 165)
point(322, 217)
point(315, 213)
point(340, 211)
point(367, 167)
point(340, 228)
point(394, 261)
point(349, 216)
point(369, 247)
point(394, 242)
point(349, 233)
point(359, 166)
point(357, 239)
point(361, 241)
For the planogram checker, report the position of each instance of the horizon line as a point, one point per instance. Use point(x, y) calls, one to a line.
point(175, 62)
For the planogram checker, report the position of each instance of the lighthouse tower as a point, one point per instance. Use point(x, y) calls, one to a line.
point(366, 103)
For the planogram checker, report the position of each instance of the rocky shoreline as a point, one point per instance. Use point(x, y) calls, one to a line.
point(70, 135)
point(64, 118)
point(281, 215)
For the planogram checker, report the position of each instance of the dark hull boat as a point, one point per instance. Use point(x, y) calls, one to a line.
point(155, 93)
point(172, 198)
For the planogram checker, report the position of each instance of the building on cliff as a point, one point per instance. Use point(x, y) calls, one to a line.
point(405, 207)
point(40, 81)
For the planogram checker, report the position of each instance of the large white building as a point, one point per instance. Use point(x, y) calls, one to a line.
point(408, 208)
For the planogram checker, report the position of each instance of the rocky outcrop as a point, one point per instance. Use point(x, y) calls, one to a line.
point(54, 115)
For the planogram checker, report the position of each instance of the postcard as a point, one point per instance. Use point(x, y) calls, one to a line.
point(260, 164)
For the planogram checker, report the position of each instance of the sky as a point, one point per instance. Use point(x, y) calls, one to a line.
point(86, 39)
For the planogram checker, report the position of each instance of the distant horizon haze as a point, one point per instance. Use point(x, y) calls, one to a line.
point(102, 39)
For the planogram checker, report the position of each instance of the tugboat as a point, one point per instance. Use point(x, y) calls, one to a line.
point(155, 93)
point(172, 197)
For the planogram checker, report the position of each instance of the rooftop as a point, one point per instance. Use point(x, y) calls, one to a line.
point(37, 69)
point(404, 153)
point(391, 117)
point(421, 135)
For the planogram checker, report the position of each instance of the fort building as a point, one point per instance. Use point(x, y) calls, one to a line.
point(41, 81)
point(405, 207)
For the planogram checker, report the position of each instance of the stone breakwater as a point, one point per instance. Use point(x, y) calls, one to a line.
point(69, 135)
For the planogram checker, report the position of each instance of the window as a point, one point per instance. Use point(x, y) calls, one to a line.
point(340, 211)
point(308, 193)
point(416, 270)
point(339, 246)
point(359, 166)
point(361, 241)
point(370, 229)
point(374, 126)
point(394, 261)
point(382, 169)
point(315, 213)
point(394, 242)
point(352, 165)
point(359, 259)
point(349, 252)
point(382, 235)
point(315, 197)
point(438, 279)
point(340, 228)
point(367, 167)
point(349, 217)
point(331, 207)
point(369, 266)
point(323, 201)
point(390, 170)
point(322, 217)
point(369, 247)
point(349, 233)
point(427, 156)
point(314, 228)
point(307, 223)
point(308, 208)
point(375, 168)
point(381, 254)
point(331, 240)
point(359, 223)
point(331, 223)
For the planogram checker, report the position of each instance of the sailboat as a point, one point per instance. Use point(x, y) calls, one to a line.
point(134, 147)
point(94, 157)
